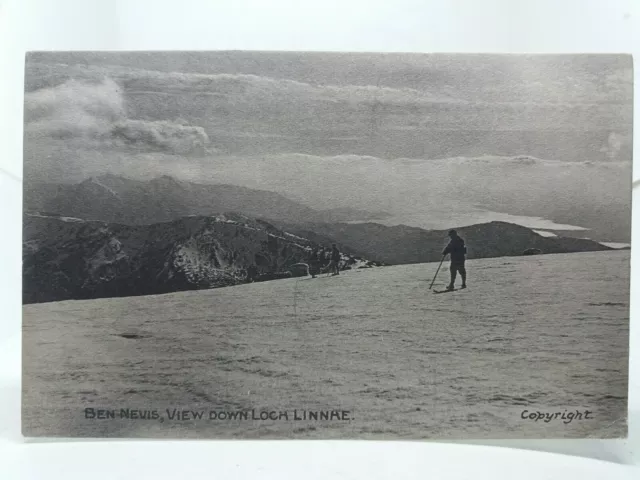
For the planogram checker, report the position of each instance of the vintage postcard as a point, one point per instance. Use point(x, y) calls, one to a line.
point(319, 245)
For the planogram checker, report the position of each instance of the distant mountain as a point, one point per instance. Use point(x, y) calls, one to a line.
point(403, 244)
point(113, 236)
point(69, 258)
point(116, 199)
point(337, 215)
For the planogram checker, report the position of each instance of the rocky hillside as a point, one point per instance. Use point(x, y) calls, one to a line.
point(69, 258)
point(116, 199)
point(402, 244)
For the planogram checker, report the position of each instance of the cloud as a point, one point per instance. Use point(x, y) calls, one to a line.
point(180, 139)
point(252, 88)
point(93, 113)
point(507, 99)
point(240, 87)
point(74, 108)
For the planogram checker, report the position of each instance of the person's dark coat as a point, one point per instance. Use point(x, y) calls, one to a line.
point(457, 249)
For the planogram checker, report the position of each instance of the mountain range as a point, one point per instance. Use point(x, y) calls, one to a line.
point(402, 244)
point(70, 258)
point(116, 199)
point(111, 236)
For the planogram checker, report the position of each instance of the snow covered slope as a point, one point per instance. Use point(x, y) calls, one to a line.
point(543, 333)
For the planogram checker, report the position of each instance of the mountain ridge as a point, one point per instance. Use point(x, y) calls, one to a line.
point(117, 199)
point(113, 236)
point(70, 258)
point(403, 244)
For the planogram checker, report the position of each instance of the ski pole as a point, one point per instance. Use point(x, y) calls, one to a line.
point(434, 277)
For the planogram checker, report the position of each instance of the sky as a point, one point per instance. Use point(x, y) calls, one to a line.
point(435, 140)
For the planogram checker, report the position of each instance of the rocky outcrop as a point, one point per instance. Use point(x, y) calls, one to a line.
point(69, 258)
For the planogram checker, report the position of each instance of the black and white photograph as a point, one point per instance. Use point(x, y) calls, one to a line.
point(324, 245)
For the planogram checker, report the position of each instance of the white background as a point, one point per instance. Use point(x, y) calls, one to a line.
point(509, 26)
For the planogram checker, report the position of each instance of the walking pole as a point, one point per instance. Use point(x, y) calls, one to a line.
point(434, 277)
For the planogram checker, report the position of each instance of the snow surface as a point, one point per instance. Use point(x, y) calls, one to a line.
point(63, 219)
point(110, 190)
point(545, 233)
point(548, 333)
point(616, 244)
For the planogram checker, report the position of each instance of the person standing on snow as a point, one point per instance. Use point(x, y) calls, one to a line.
point(322, 259)
point(335, 260)
point(457, 249)
point(313, 262)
